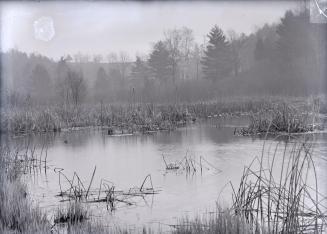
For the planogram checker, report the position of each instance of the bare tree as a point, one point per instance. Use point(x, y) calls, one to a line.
point(112, 57)
point(97, 58)
point(78, 57)
point(62, 89)
point(173, 41)
point(187, 46)
point(123, 62)
point(81, 58)
point(196, 57)
point(236, 43)
point(179, 43)
point(76, 85)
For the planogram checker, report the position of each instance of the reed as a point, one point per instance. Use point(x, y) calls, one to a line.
point(282, 118)
point(271, 197)
point(282, 198)
point(190, 165)
point(140, 117)
point(16, 213)
point(19, 215)
point(72, 214)
point(73, 190)
point(222, 221)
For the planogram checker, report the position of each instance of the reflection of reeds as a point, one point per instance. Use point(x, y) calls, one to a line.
point(277, 198)
point(190, 165)
point(106, 192)
point(18, 214)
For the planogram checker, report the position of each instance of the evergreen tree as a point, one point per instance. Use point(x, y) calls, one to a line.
point(296, 52)
point(295, 36)
point(159, 62)
point(217, 61)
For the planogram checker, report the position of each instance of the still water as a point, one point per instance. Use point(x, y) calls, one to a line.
point(127, 160)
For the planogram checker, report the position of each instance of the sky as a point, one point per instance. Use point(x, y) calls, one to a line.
point(59, 28)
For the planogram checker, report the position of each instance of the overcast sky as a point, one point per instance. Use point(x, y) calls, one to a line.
point(103, 27)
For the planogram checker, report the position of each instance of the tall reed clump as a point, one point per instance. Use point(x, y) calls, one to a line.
point(280, 117)
point(72, 214)
point(280, 192)
point(16, 213)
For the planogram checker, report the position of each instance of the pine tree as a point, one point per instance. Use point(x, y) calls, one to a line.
point(294, 36)
point(296, 52)
point(217, 62)
point(159, 62)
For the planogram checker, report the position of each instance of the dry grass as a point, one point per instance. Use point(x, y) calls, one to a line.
point(278, 193)
point(283, 118)
point(16, 213)
point(283, 198)
point(127, 118)
point(19, 215)
point(222, 221)
point(72, 214)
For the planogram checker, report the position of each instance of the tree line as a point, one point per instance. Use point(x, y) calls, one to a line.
point(287, 58)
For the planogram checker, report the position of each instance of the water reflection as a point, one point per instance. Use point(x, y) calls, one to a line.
point(126, 160)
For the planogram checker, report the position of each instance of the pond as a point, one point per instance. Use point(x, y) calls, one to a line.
point(127, 159)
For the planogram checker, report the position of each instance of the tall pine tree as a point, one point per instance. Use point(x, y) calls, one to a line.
point(159, 62)
point(217, 61)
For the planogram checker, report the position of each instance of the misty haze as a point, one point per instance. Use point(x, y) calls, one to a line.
point(163, 117)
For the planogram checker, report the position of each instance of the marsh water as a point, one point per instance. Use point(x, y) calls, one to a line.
point(126, 160)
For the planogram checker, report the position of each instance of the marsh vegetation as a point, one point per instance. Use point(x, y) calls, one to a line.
point(221, 136)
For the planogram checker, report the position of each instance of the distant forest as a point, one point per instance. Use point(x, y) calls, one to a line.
point(288, 58)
